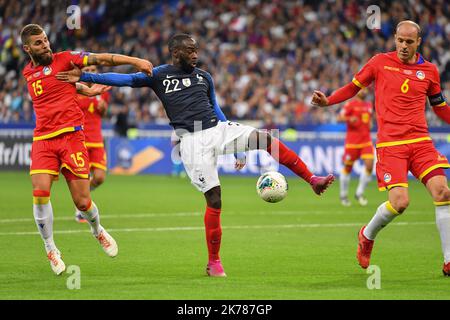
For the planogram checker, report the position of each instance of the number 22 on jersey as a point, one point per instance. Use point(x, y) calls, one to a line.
point(174, 82)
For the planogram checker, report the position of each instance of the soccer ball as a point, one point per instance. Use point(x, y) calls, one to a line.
point(272, 186)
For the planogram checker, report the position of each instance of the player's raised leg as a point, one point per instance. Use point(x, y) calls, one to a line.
point(437, 186)
point(279, 151)
point(79, 189)
point(43, 215)
point(364, 179)
point(386, 212)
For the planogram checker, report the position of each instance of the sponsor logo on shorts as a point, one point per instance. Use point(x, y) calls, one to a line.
point(420, 75)
point(387, 177)
point(47, 71)
point(441, 158)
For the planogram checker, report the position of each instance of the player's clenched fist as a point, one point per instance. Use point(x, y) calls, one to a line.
point(319, 99)
point(144, 66)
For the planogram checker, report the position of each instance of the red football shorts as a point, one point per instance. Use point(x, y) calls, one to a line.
point(394, 163)
point(66, 152)
point(353, 154)
point(97, 158)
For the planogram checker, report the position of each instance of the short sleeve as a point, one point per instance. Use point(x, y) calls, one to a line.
point(79, 58)
point(435, 83)
point(366, 75)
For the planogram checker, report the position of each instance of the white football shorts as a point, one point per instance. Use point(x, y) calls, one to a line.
point(199, 151)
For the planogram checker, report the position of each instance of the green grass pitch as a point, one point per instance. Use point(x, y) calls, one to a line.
point(301, 248)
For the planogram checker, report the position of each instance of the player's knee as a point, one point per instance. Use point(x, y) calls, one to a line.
point(213, 198)
point(98, 180)
point(215, 203)
point(400, 204)
point(83, 203)
point(442, 194)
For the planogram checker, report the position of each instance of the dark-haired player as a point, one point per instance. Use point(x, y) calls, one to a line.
point(188, 96)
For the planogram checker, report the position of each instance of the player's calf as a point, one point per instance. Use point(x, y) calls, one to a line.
point(279, 151)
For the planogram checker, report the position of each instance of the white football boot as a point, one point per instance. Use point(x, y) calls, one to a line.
point(108, 243)
point(58, 266)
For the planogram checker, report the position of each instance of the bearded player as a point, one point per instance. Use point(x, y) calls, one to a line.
point(58, 139)
point(403, 81)
point(94, 108)
point(357, 114)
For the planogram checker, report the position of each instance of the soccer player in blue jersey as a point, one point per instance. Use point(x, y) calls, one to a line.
point(188, 96)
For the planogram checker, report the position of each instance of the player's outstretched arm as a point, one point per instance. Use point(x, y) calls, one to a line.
point(340, 95)
point(111, 79)
point(95, 90)
point(112, 59)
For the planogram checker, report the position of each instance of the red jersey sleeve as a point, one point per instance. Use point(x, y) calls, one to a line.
point(367, 74)
point(78, 58)
point(435, 85)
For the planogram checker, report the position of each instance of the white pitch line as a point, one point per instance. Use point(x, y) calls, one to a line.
point(117, 216)
point(185, 214)
point(280, 226)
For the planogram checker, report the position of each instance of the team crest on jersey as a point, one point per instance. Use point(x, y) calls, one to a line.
point(47, 71)
point(420, 75)
point(186, 82)
point(387, 177)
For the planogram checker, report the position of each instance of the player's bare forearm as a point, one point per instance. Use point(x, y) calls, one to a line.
point(95, 90)
point(84, 90)
point(112, 59)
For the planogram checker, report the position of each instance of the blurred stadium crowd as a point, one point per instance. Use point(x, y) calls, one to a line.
point(266, 57)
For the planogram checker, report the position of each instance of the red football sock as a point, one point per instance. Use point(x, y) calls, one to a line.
point(290, 159)
point(213, 232)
